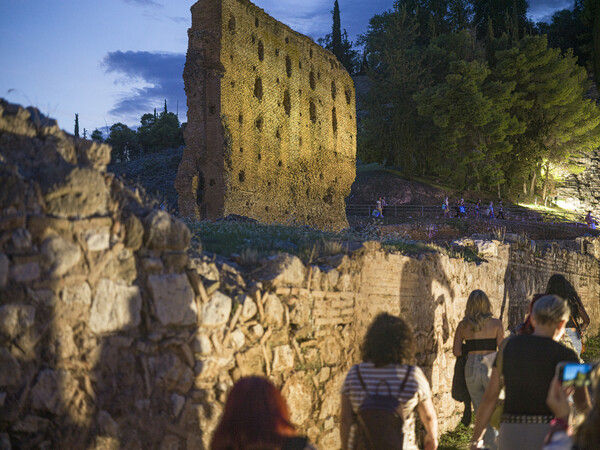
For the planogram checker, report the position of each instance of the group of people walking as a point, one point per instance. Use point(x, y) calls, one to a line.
point(460, 209)
point(381, 394)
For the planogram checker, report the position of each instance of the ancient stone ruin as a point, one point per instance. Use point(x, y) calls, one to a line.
point(114, 334)
point(271, 130)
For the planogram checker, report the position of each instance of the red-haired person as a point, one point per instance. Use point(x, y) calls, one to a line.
point(256, 417)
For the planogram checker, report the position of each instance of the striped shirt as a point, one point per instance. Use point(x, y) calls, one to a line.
point(416, 391)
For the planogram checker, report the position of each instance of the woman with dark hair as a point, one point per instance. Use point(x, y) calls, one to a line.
point(481, 334)
point(387, 353)
point(559, 285)
point(256, 417)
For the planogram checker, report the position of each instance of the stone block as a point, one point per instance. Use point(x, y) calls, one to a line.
point(217, 311)
point(107, 426)
point(31, 424)
point(15, 319)
point(164, 232)
point(97, 240)
point(201, 344)
point(115, 307)
point(81, 193)
point(299, 392)
point(237, 338)
point(4, 270)
point(53, 391)
point(80, 295)
point(170, 373)
point(250, 362)
point(274, 312)
point(282, 270)
point(174, 300)
point(249, 308)
point(212, 366)
point(10, 369)
point(59, 255)
point(283, 358)
point(25, 273)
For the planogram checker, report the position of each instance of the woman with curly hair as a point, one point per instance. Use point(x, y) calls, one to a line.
point(256, 417)
point(387, 355)
point(482, 335)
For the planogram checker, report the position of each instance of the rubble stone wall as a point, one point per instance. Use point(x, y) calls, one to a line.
point(271, 128)
point(114, 334)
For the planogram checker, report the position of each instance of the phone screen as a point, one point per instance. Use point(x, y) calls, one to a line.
point(574, 374)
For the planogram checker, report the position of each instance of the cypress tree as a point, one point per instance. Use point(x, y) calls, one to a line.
point(76, 125)
point(336, 32)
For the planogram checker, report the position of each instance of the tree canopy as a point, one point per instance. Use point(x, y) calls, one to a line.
point(466, 91)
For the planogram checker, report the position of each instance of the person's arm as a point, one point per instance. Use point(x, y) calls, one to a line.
point(499, 333)
point(346, 419)
point(457, 347)
point(427, 415)
point(583, 314)
point(486, 408)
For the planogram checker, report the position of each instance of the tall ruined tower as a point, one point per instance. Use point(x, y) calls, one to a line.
point(271, 130)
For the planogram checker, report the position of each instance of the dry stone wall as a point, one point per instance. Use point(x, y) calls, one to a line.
point(271, 128)
point(114, 334)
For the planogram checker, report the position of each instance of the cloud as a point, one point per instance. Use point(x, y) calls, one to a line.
point(161, 71)
point(151, 3)
point(542, 10)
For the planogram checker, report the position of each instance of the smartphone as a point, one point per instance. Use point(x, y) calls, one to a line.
point(574, 374)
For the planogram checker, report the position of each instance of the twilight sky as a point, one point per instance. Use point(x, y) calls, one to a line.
point(114, 60)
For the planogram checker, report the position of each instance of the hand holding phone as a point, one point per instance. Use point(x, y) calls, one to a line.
point(557, 399)
point(574, 374)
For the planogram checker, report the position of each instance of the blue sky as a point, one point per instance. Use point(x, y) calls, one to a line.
point(114, 60)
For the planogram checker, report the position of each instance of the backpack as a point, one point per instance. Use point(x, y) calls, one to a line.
point(380, 417)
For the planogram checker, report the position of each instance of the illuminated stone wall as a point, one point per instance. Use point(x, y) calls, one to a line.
point(271, 128)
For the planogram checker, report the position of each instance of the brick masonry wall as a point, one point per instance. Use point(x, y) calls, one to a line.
point(271, 121)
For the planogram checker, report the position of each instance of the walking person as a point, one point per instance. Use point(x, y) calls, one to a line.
point(525, 365)
point(490, 210)
point(478, 209)
point(479, 335)
point(379, 207)
point(387, 353)
point(578, 316)
point(446, 207)
point(500, 211)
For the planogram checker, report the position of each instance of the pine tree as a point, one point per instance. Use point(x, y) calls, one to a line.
point(394, 133)
point(550, 100)
point(76, 125)
point(471, 112)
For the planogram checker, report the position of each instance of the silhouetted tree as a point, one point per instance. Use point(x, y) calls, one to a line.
point(339, 44)
point(97, 135)
point(123, 141)
point(76, 125)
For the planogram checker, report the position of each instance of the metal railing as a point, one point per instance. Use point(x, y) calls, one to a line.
point(435, 211)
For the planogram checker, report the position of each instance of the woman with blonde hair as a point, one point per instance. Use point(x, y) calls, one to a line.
point(478, 335)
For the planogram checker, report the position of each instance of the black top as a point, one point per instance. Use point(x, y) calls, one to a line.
point(528, 368)
point(472, 345)
point(574, 309)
